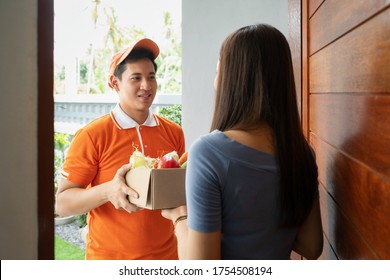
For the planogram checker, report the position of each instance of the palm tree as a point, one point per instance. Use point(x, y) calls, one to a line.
point(95, 17)
point(114, 33)
point(170, 61)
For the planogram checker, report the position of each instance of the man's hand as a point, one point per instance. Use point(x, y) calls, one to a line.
point(119, 191)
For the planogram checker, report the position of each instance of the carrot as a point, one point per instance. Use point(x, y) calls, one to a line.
point(183, 158)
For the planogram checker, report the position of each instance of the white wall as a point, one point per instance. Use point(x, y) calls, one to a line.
point(205, 25)
point(18, 130)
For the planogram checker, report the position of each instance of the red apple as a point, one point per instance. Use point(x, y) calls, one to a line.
point(170, 160)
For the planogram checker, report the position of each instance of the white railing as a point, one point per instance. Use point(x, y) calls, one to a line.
point(71, 112)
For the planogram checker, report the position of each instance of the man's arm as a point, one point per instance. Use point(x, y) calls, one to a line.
point(74, 199)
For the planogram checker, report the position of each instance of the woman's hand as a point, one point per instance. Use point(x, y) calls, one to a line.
point(173, 213)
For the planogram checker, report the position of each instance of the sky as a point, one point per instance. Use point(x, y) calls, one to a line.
point(73, 26)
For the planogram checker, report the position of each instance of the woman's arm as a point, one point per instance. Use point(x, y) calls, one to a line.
point(181, 232)
point(73, 199)
point(178, 216)
point(203, 246)
point(193, 245)
point(309, 240)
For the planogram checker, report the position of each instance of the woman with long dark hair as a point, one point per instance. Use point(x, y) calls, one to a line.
point(252, 187)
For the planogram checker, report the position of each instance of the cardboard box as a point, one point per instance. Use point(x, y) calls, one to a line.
point(157, 188)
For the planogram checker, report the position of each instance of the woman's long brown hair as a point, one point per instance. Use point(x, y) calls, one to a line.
point(255, 85)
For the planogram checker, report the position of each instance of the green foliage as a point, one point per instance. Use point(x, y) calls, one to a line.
point(61, 143)
point(83, 73)
point(100, 69)
point(61, 140)
point(67, 251)
point(172, 113)
point(57, 170)
point(82, 220)
point(61, 74)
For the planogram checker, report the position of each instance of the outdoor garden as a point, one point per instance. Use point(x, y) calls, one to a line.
point(84, 72)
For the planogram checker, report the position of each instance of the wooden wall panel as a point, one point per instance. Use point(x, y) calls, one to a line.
point(342, 233)
point(327, 252)
point(357, 62)
point(313, 6)
point(349, 123)
point(346, 90)
point(355, 205)
point(338, 17)
point(359, 125)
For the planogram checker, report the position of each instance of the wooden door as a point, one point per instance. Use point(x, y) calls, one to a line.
point(343, 67)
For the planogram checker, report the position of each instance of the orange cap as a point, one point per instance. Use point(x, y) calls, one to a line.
point(121, 55)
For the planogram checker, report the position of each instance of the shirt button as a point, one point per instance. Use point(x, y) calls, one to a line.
point(140, 128)
point(146, 146)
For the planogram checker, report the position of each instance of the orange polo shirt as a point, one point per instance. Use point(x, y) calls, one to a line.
point(96, 153)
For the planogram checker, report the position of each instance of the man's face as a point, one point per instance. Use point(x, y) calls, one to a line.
point(138, 87)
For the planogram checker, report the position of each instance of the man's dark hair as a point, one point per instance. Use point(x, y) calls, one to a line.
point(134, 56)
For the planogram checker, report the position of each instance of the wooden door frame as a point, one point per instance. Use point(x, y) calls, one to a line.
point(298, 17)
point(298, 34)
point(45, 113)
point(298, 44)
